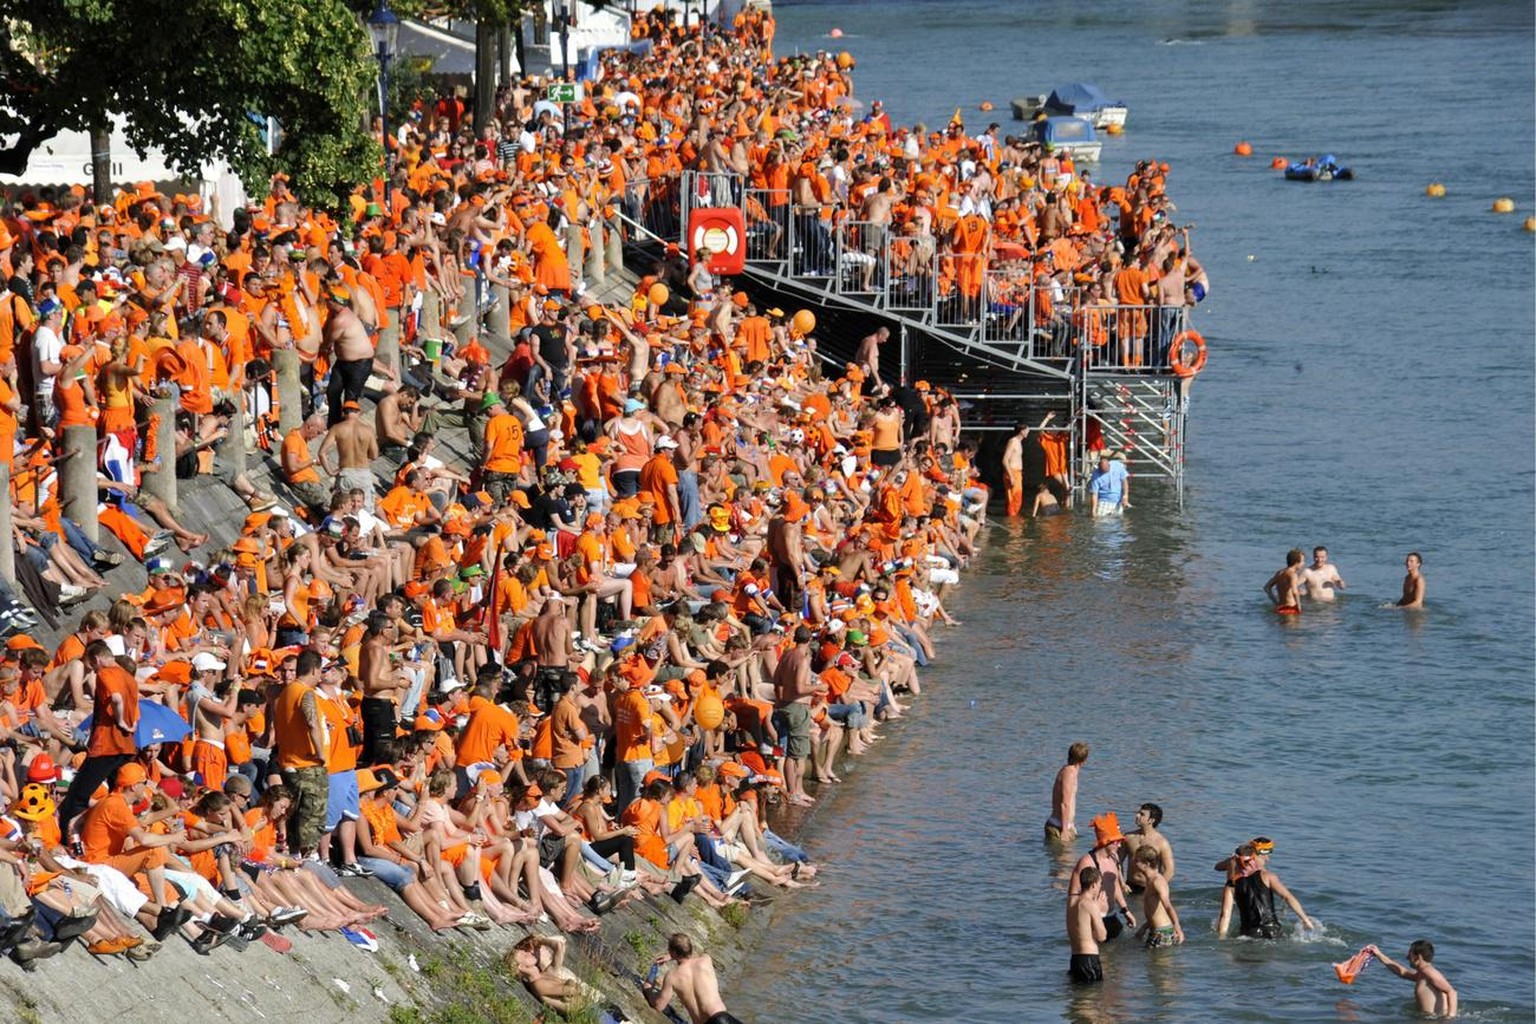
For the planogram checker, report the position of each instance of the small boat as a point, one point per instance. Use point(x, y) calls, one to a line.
point(1319, 168)
point(1074, 136)
point(1076, 99)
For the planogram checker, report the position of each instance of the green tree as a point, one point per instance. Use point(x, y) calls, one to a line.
point(187, 74)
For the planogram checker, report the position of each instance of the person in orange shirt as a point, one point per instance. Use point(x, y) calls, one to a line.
point(492, 733)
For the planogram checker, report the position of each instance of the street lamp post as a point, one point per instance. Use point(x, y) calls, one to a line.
point(565, 55)
point(384, 27)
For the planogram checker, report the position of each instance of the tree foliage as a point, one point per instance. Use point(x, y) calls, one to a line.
point(186, 74)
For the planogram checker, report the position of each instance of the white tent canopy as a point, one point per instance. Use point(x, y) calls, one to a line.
point(65, 159)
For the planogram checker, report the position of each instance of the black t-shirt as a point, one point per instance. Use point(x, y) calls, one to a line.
point(911, 402)
point(543, 509)
point(551, 344)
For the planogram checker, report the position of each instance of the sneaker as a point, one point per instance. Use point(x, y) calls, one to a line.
point(70, 594)
point(170, 919)
point(628, 879)
point(222, 923)
point(252, 928)
point(24, 953)
point(477, 921)
point(107, 559)
point(208, 941)
point(354, 870)
point(286, 915)
point(158, 543)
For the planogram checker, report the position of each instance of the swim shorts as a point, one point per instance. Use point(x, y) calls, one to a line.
point(1157, 938)
point(1287, 610)
point(723, 1017)
point(798, 743)
point(1085, 969)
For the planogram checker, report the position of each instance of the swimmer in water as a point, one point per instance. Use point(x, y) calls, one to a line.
point(1060, 826)
point(1321, 576)
point(1284, 586)
point(1086, 909)
point(1162, 926)
point(1253, 894)
point(1413, 583)
point(1434, 994)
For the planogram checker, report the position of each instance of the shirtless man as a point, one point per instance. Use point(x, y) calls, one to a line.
point(1321, 576)
point(382, 686)
point(786, 553)
point(1087, 908)
point(692, 980)
point(1433, 993)
point(1013, 469)
point(1162, 926)
point(345, 340)
point(1061, 826)
point(356, 447)
point(398, 417)
point(1284, 586)
point(793, 687)
point(1413, 583)
point(868, 355)
point(1146, 836)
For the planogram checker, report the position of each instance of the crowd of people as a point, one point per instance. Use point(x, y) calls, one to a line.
point(533, 621)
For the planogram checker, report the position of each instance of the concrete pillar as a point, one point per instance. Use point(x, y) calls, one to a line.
point(160, 477)
point(230, 454)
point(7, 545)
point(498, 327)
point(573, 249)
point(388, 348)
point(614, 241)
point(462, 332)
point(431, 315)
point(290, 390)
point(595, 253)
point(77, 481)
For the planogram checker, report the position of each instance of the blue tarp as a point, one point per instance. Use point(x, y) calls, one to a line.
point(1079, 98)
point(1056, 130)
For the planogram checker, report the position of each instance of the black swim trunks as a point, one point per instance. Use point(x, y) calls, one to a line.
point(723, 1017)
point(1085, 969)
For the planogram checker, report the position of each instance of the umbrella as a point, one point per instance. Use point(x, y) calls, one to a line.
point(543, 105)
point(157, 724)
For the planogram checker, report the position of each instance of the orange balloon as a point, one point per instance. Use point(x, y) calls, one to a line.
point(658, 294)
point(709, 710)
point(845, 60)
point(803, 322)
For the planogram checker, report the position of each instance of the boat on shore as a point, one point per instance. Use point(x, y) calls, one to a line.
point(1075, 99)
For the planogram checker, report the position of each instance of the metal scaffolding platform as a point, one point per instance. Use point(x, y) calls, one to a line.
point(1009, 347)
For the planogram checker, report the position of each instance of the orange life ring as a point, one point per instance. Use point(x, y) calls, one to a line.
point(1176, 354)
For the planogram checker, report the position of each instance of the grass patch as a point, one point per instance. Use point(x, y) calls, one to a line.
point(476, 994)
point(734, 914)
point(639, 943)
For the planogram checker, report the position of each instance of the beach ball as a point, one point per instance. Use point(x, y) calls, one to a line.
point(803, 323)
point(1243, 148)
point(658, 294)
point(709, 710)
point(1503, 204)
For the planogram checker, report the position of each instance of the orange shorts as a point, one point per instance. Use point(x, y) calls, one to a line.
point(209, 762)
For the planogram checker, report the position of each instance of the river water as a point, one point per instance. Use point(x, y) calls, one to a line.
point(1369, 388)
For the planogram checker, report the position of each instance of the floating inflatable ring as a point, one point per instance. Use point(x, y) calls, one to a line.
point(1176, 361)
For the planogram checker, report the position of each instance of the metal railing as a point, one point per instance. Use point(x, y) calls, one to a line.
point(1005, 310)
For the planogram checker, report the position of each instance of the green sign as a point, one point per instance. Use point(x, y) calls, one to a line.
point(563, 92)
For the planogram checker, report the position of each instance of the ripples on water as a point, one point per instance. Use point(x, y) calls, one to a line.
point(1370, 388)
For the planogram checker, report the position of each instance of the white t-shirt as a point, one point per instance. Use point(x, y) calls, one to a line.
point(47, 346)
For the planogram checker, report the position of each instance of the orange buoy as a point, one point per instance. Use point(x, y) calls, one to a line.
point(1180, 366)
point(985, 105)
point(709, 709)
point(1114, 128)
point(803, 322)
point(1244, 148)
point(658, 294)
point(1277, 164)
point(1503, 204)
point(1435, 190)
point(1530, 225)
point(845, 60)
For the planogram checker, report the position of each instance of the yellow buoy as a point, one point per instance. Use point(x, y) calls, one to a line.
point(985, 105)
point(1244, 148)
point(1114, 128)
point(1503, 204)
point(1434, 190)
point(1530, 224)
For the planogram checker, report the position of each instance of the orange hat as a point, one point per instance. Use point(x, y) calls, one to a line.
point(22, 642)
point(165, 600)
point(491, 778)
point(655, 776)
point(519, 498)
point(732, 770)
point(1106, 829)
point(131, 774)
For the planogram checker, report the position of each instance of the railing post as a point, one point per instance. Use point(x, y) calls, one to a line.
point(498, 318)
point(615, 243)
point(7, 542)
point(159, 477)
point(77, 484)
point(596, 252)
point(573, 247)
point(290, 395)
point(231, 451)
